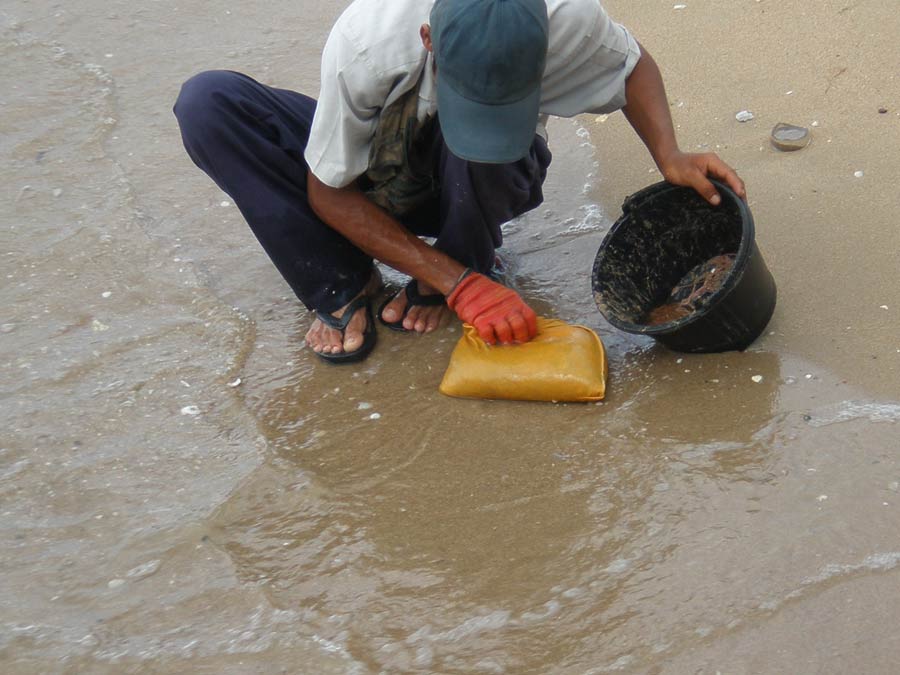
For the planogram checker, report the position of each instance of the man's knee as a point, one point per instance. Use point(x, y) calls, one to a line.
point(523, 174)
point(198, 105)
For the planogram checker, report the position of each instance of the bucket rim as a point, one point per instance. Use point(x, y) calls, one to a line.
point(742, 257)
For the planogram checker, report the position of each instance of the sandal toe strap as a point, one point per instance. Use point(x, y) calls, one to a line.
point(344, 320)
point(415, 298)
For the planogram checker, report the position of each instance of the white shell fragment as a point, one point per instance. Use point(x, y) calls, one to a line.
point(744, 116)
point(144, 570)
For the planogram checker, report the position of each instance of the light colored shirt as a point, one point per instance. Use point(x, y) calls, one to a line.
point(374, 55)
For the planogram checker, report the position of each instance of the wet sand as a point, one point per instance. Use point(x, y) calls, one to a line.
point(185, 488)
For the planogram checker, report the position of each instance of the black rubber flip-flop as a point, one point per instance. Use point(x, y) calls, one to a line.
point(413, 298)
point(369, 335)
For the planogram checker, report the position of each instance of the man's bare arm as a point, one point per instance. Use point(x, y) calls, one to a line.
point(647, 110)
point(372, 230)
point(498, 313)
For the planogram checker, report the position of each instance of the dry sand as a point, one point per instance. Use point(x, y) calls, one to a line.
point(831, 239)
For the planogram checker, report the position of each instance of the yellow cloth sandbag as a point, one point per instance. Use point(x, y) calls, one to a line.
point(562, 363)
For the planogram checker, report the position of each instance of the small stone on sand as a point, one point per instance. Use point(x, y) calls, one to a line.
point(744, 116)
point(789, 137)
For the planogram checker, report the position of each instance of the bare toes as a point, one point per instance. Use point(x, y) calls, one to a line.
point(313, 337)
point(334, 342)
point(434, 319)
point(394, 309)
point(353, 335)
point(410, 322)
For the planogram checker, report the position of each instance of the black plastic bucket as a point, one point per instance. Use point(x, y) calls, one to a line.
point(664, 232)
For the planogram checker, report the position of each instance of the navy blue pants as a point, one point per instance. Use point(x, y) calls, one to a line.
point(250, 139)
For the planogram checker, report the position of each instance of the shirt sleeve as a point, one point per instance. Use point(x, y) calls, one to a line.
point(590, 57)
point(350, 98)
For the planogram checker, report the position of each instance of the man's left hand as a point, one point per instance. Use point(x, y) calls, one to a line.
point(694, 170)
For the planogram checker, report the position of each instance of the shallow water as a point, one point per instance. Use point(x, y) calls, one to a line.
point(185, 488)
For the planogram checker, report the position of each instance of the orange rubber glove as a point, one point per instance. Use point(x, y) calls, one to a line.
point(496, 312)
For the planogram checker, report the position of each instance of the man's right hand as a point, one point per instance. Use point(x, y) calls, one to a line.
point(691, 170)
point(498, 313)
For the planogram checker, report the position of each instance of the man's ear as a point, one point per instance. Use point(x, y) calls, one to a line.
point(425, 34)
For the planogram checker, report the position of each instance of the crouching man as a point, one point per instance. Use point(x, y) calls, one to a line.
point(429, 123)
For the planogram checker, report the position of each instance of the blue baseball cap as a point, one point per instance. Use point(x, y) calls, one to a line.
point(490, 57)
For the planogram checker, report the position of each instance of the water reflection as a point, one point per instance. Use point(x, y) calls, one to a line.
point(406, 524)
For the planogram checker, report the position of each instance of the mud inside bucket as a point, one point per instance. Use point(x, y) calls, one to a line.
point(670, 244)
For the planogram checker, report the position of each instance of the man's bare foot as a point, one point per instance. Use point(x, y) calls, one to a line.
point(325, 340)
point(419, 318)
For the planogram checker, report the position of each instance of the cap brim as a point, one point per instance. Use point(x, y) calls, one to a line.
point(491, 134)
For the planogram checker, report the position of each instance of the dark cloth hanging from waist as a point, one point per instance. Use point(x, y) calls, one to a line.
point(400, 177)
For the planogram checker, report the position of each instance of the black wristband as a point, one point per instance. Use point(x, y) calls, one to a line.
point(466, 272)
